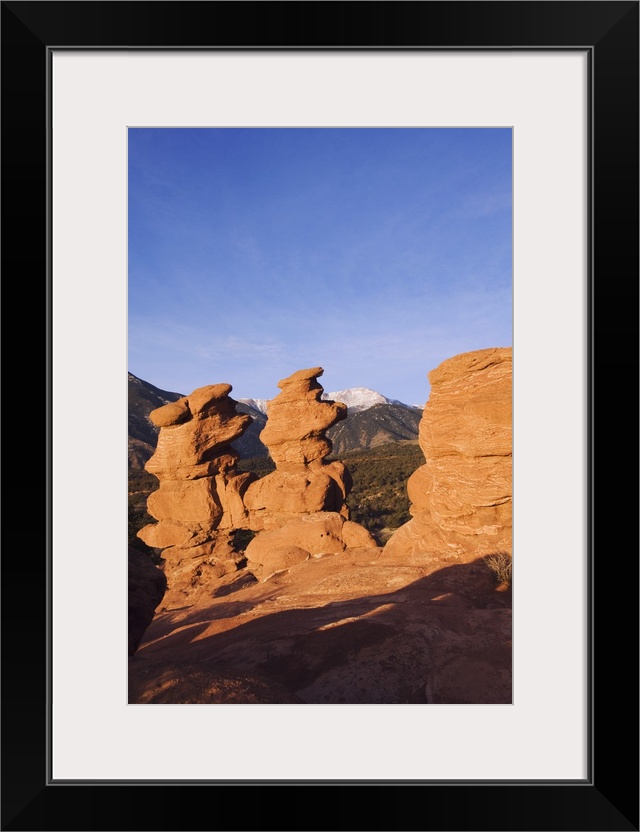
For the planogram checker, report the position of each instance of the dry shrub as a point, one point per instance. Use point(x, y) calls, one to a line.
point(500, 564)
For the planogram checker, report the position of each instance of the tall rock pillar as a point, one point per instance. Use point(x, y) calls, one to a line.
point(303, 482)
point(200, 499)
point(300, 509)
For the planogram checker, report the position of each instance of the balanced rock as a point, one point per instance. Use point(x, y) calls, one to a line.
point(303, 483)
point(199, 502)
point(462, 497)
point(302, 504)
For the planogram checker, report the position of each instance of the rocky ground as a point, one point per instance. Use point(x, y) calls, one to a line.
point(314, 611)
point(355, 627)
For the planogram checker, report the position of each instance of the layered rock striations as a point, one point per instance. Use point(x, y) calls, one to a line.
point(295, 434)
point(199, 502)
point(462, 497)
point(300, 509)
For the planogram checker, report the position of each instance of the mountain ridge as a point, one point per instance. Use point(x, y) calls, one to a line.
point(356, 399)
point(372, 420)
point(144, 397)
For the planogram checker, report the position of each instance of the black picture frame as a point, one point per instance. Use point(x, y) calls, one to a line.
point(608, 798)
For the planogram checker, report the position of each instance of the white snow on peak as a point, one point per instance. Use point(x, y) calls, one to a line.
point(258, 404)
point(355, 398)
point(358, 398)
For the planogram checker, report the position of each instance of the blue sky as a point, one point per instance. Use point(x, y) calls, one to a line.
point(373, 253)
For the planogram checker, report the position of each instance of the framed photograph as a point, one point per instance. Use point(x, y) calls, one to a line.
point(563, 78)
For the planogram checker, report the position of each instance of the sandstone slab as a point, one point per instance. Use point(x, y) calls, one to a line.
point(352, 627)
point(462, 497)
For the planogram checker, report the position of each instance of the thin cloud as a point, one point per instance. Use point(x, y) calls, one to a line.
point(373, 253)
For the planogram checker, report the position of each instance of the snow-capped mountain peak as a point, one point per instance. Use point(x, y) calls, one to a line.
point(358, 398)
point(257, 404)
point(355, 398)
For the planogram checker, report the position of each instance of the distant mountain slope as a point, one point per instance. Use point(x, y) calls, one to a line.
point(256, 404)
point(143, 434)
point(372, 420)
point(378, 425)
point(249, 444)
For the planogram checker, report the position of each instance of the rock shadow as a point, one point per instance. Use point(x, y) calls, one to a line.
point(442, 639)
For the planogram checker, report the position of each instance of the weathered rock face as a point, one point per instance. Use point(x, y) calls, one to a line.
point(300, 508)
point(200, 499)
point(295, 435)
point(462, 497)
point(147, 585)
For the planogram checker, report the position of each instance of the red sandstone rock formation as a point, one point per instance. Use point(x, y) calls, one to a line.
point(461, 497)
point(295, 435)
point(321, 533)
point(339, 621)
point(200, 499)
point(302, 503)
